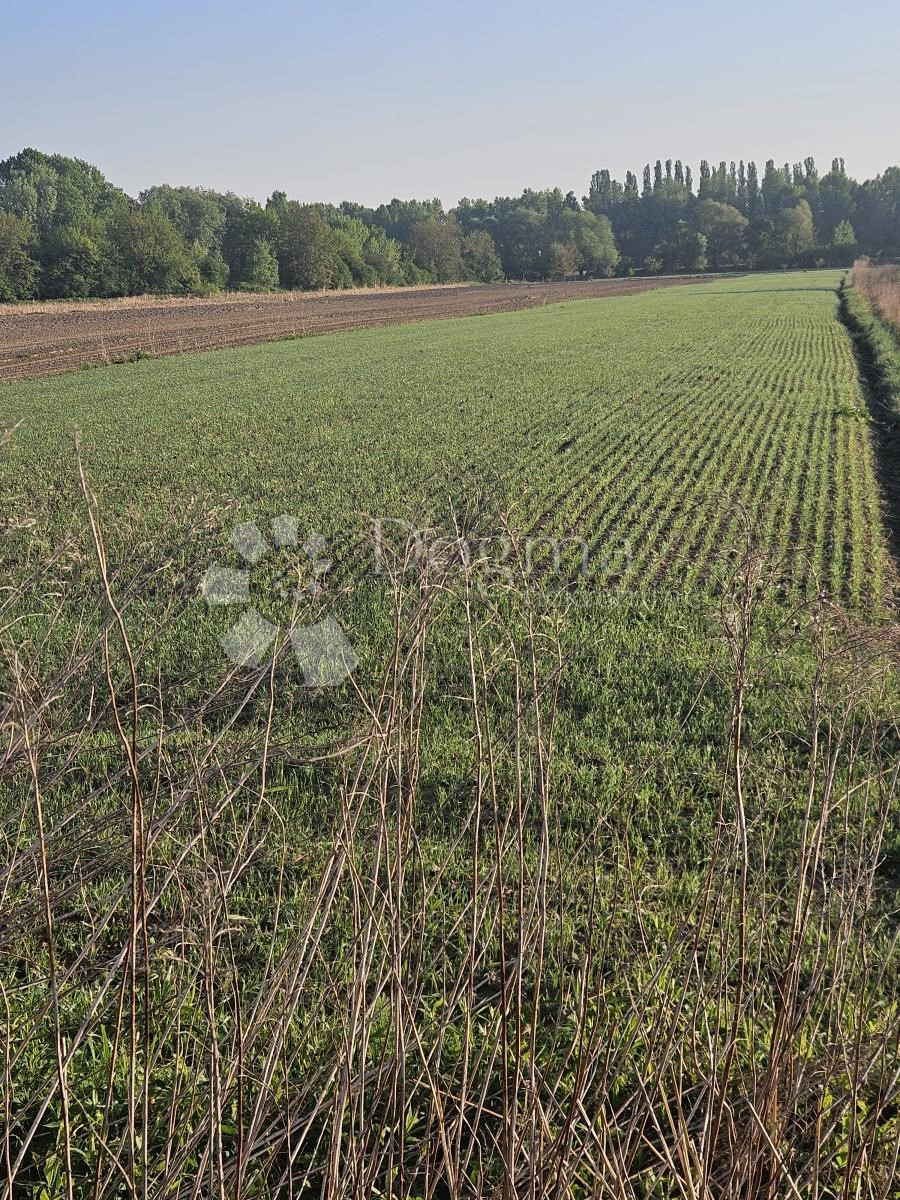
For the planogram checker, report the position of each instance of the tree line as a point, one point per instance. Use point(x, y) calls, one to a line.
point(67, 232)
point(790, 217)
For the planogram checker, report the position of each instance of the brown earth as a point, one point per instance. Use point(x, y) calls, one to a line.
point(46, 339)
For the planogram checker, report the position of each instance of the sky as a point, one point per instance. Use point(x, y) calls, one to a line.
point(365, 101)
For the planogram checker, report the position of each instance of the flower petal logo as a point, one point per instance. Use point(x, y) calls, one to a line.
point(321, 649)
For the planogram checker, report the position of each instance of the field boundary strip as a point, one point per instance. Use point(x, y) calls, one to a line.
point(876, 349)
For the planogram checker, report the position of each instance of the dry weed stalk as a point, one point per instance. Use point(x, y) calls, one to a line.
point(438, 995)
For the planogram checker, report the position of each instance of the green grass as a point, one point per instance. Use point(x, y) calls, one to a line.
point(580, 867)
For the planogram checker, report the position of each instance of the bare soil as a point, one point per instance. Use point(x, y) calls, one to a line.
point(46, 339)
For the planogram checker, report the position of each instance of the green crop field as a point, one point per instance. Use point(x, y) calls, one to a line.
point(570, 868)
point(639, 427)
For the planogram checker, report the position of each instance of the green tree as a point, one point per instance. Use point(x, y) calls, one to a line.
point(213, 270)
point(350, 236)
point(199, 217)
point(593, 238)
point(246, 224)
point(74, 263)
point(877, 213)
point(28, 190)
point(782, 239)
point(384, 256)
point(400, 217)
point(306, 250)
point(148, 255)
point(604, 192)
point(52, 191)
point(436, 247)
point(724, 228)
point(842, 250)
point(197, 213)
point(835, 198)
point(18, 270)
point(753, 195)
point(66, 202)
point(480, 259)
point(260, 269)
point(775, 191)
point(85, 239)
point(564, 260)
point(684, 250)
point(520, 240)
point(794, 226)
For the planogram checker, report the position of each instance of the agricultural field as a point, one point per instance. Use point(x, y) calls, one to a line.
point(45, 339)
point(619, 428)
point(456, 759)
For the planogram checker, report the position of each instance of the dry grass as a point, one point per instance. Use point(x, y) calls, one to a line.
point(125, 303)
point(882, 286)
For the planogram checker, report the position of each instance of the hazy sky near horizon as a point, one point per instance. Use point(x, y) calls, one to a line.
point(367, 101)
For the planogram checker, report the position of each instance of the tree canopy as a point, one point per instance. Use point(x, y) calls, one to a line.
point(789, 217)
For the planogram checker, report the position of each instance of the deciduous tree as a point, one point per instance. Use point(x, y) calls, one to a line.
point(305, 247)
point(724, 228)
point(18, 270)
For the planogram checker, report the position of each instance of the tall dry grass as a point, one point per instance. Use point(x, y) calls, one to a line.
point(881, 285)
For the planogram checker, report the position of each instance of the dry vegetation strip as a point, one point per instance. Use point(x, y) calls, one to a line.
point(882, 286)
point(46, 340)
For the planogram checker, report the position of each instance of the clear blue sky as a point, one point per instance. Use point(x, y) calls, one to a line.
point(366, 101)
